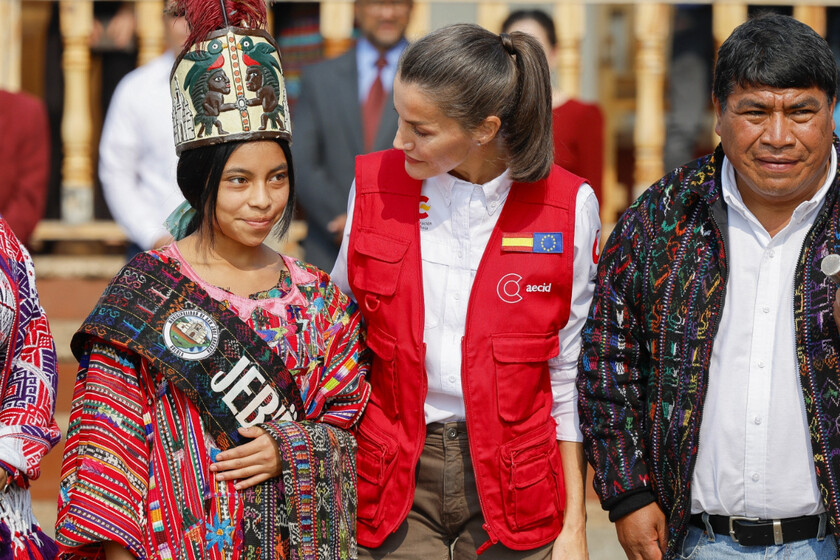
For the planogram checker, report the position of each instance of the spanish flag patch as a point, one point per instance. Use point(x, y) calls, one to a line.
point(543, 242)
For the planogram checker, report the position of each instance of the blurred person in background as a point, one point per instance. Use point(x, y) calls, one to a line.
point(137, 160)
point(345, 109)
point(24, 161)
point(578, 127)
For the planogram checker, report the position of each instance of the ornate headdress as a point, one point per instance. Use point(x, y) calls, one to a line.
point(227, 84)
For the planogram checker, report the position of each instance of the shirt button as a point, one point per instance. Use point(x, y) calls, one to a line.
point(771, 253)
point(765, 309)
point(761, 365)
point(452, 379)
point(460, 254)
point(457, 296)
point(757, 420)
point(755, 477)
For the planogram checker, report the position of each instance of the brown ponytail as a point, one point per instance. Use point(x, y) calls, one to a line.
point(471, 74)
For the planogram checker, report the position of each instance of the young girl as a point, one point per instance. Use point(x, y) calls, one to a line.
point(472, 258)
point(218, 378)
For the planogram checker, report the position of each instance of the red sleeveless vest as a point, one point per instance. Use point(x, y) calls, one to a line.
point(518, 303)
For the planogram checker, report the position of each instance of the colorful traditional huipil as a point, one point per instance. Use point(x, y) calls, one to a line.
point(27, 427)
point(136, 465)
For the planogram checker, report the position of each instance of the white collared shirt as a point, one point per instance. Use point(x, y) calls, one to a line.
point(137, 161)
point(754, 457)
point(459, 218)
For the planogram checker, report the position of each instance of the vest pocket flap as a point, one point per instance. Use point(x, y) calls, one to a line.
point(374, 457)
point(381, 343)
point(519, 348)
point(380, 247)
point(529, 472)
point(532, 479)
point(378, 262)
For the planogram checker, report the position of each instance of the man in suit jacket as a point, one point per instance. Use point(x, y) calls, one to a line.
point(24, 161)
point(329, 128)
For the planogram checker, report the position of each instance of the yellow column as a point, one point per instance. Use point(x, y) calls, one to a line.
point(812, 15)
point(336, 26)
point(421, 17)
point(77, 175)
point(652, 31)
point(491, 15)
point(726, 16)
point(150, 42)
point(570, 21)
point(10, 54)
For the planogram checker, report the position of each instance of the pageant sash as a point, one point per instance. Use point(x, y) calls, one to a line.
point(219, 362)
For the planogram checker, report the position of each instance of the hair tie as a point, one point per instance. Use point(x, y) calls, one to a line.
point(179, 220)
point(507, 43)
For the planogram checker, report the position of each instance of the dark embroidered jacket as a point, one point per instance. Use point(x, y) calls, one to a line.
point(648, 341)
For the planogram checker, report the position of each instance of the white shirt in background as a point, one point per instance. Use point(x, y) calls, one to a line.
point(137, 161)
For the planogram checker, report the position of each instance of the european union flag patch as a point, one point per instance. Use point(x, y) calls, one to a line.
point(543, 242)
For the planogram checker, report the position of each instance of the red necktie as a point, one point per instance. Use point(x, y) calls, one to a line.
point(373, 105)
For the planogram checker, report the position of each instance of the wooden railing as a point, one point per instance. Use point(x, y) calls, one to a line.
point(649, 33)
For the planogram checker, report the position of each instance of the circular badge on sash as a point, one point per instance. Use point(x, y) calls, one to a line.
point(191, 334)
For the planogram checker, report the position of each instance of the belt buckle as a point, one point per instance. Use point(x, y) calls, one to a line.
point(734, 518)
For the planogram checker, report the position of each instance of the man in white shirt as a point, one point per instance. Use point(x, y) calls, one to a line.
point(137, 161)
point(336, 119)
point(709, 369)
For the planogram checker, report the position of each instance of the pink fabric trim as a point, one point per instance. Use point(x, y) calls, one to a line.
point(244, 307)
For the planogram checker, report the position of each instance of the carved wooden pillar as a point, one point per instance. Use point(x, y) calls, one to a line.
point(77, 172)
point(10, 54)
point(336, 26)
point(570, 21)
point(421, 21)
point(491, 15)
point(652, 31)
point(813, 16)
point(150, 41)
point(726, 16)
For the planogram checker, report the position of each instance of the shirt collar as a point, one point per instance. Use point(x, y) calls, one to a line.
point(493, 192)
point(732, 196)
point(367, 54)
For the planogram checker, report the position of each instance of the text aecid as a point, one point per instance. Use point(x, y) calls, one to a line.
point(538, 287)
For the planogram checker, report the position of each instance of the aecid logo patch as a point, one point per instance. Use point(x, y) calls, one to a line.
point(509, 287)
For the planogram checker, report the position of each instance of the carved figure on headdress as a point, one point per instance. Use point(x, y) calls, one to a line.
point(208, 84)
point(261, 78)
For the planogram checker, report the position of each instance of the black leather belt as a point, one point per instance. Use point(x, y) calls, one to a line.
point(751, 531)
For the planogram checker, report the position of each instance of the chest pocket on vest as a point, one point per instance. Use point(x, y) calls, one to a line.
point(380, 260)
point(521, 362)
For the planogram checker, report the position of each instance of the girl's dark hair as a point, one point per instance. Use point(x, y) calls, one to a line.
point(540, 17)
point(200, 172)
point(470, 74)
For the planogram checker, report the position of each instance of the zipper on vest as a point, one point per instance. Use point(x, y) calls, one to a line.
point(490, 542)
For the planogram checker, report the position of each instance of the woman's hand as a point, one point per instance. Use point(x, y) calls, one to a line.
point(4, 479)
point(250, 463)
point(570, 544)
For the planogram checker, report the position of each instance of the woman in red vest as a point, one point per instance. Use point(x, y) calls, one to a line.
point(471, 256)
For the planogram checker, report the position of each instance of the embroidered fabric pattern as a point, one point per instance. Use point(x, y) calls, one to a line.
point(153, 491)
point(27, 428)
point(653, 325)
